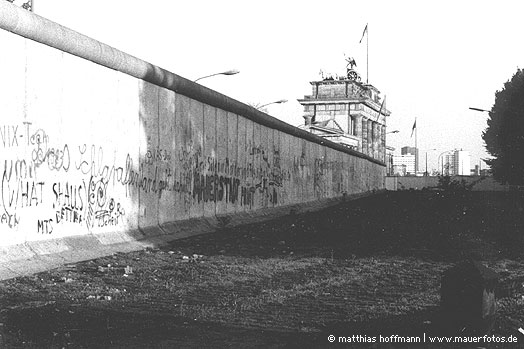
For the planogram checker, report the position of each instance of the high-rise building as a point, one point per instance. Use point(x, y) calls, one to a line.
point(346, 111)
point(457, 163)
point(461, 163)
point(448, 164)
point(404, 165)
point(410, 151)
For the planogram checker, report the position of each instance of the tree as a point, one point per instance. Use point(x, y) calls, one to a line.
point(504, 136)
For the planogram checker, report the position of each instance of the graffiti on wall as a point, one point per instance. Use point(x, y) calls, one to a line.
point(88, 186)
point(79, 185)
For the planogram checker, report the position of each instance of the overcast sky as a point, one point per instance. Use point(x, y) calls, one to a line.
point(432, 60)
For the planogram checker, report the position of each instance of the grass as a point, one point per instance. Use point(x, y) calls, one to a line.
point(361, 267)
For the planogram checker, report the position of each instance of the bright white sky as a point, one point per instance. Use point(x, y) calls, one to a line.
point(433, 60)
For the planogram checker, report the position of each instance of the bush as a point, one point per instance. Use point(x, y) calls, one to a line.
point(453, 186)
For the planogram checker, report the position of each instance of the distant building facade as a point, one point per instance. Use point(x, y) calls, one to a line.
point(346, 111)
point(404, 165)
point(410, 151)
point(457, 163)
point(448, 164)
point(462, 163)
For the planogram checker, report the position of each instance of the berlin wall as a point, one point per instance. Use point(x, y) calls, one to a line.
point(100, 146)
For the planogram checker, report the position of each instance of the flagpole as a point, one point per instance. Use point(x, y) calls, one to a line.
point(416, 148)
point(366, 32)
point(367, 55)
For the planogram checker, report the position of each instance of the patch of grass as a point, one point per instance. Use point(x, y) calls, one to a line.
point(371, 263)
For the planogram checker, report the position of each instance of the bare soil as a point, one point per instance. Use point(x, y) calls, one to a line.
point(367, 267)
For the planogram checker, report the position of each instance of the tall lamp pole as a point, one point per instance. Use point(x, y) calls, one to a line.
point(275, 102)
point(228, 72)
point(482, 110)
point(388, 158)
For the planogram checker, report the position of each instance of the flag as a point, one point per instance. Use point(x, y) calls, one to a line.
point(382, 105)
point(364, 33)
point(414, 127)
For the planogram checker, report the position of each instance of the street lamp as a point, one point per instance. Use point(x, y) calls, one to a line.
point(482, 110)
point(229, 72)
point(385, 152)
point(276, 102)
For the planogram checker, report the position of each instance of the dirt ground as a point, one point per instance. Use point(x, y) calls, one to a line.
point(368, 267)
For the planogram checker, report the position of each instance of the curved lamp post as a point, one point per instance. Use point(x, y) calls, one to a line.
point(391, 155)
point(276, 102)
point(438, 160)
point(229, 72)
point(482, 110)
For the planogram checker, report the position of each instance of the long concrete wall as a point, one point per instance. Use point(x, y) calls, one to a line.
point(102, 151)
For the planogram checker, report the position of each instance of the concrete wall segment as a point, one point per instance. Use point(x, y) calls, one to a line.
point(255, 151)
point(233, 163)
point(182, 158)
point(100, 155)
point(222, 160)
point(286, 165)
point(149, 127)
point(477, 183)
point(196, 156)
point(12, 65)
point(248, 196)
point(275, 170)
point(163, 158)
point(209, 158)
point(245, 134)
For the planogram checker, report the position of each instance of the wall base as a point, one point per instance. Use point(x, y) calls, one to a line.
point(37, 256)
